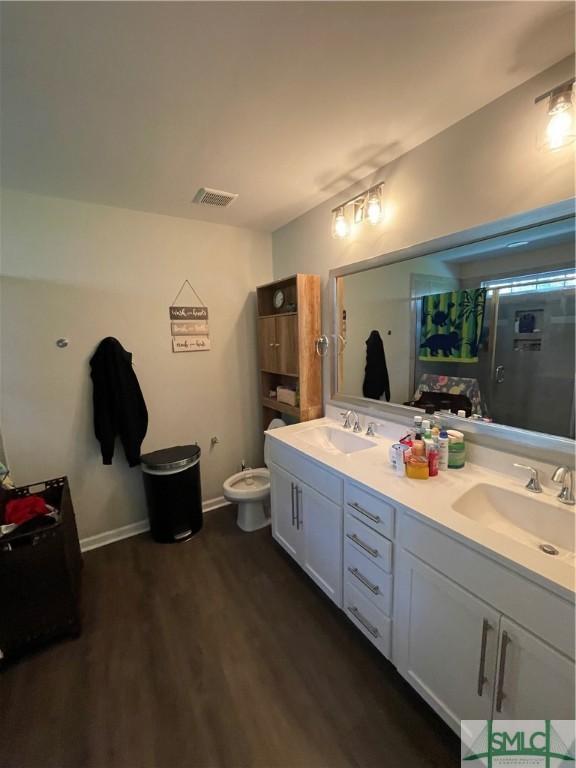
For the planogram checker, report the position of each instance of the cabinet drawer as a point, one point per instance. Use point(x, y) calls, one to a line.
point(373, 511)
point(367, 578)
point(371, 544)
point(370, 621)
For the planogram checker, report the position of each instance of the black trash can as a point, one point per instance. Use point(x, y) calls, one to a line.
point(173, 492)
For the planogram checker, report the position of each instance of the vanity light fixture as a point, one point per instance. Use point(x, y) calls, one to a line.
point(340, 226)
point(560, 129)
point(374, 205)
point(366, 206)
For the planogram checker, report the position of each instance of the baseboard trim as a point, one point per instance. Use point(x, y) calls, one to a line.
point(126, 531)
point(117, 534)
point(210, 504)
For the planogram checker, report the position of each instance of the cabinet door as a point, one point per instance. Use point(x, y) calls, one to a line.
point(321, 521)
point(445, 642)
point(287, 340)
point(267, 344)
point(285, 526)
point(535, 681)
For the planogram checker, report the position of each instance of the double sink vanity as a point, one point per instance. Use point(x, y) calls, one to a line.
point(465, 581)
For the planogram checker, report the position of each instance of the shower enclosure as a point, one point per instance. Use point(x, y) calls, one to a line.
point(531, 360)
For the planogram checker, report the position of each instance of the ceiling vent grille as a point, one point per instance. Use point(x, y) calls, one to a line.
point(214, 197)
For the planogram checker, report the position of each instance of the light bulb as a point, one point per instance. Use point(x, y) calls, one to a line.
point(340, 228)
point(374, 209)
point(559, 129)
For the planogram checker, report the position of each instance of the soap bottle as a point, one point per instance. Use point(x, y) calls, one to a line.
point(427, 436)
point(418, 446)
point(443, 443)
point(433, 459)
point(416, 427)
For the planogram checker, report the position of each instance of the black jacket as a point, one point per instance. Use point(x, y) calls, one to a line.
point(376, 381)
point(119, 407)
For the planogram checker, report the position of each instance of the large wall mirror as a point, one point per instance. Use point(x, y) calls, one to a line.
point(486, 327)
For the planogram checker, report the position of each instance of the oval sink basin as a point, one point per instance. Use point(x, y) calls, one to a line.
point(335, 440)
point(528, 519)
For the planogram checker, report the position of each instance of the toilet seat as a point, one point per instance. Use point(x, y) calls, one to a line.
point(250, 485)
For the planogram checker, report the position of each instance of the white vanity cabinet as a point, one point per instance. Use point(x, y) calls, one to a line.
point(309, 527)
point(460, 651)
point(446, 642)
point(534, 680)
point(476, 635)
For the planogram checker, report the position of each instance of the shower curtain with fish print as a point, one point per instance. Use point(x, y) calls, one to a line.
point(451, 326)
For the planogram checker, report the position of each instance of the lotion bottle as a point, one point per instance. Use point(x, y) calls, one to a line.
point(443, 442)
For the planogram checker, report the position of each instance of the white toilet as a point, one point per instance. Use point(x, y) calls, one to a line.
point(250, 489)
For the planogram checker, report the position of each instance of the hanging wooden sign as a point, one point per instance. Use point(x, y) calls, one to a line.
point(189, 325)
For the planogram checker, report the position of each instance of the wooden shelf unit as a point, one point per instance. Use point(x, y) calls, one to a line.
point(287, 346)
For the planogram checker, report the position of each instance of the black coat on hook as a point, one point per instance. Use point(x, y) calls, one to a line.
point(376, 381)
point(119, 407)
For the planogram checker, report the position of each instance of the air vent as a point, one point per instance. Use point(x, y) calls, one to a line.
point(207, 196)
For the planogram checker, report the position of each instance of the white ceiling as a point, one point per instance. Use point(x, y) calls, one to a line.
point(138, 104)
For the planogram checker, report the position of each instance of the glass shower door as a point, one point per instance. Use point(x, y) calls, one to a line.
point(532, 362)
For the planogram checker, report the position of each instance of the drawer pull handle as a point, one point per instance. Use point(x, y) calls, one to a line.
point(372, 587)
point(500, 695)
point(365, 623)
point(294, 512)
point(367, 547)
point(369, 515)
point(486, 627)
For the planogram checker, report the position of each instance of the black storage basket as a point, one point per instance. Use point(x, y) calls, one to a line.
point(39, 574)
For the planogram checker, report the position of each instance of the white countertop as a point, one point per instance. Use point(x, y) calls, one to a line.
point(432, 499)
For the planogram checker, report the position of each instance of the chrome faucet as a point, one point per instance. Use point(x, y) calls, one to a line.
point(347, 416)
point(534, 483)
point(371, 429)
point(565, 476)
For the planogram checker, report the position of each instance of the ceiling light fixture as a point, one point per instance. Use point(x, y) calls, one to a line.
point(366, 206)
point(560, 127)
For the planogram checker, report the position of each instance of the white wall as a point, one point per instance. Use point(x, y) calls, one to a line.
point(482, 169)
point(379, 299)
point(86, 271)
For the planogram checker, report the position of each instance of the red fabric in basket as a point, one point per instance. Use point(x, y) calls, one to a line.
point(19, 511)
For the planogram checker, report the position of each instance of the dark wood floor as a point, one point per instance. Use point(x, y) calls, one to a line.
point(216, 652)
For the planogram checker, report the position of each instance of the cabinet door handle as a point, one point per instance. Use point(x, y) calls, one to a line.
point(271, 344)
point(293, 507)
point(486, 627)
point(367, 547)
point(500, 695)
point(277, 344)
point(299, 519)
point(369, 515)
point(374, 588)
point(365, 623)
